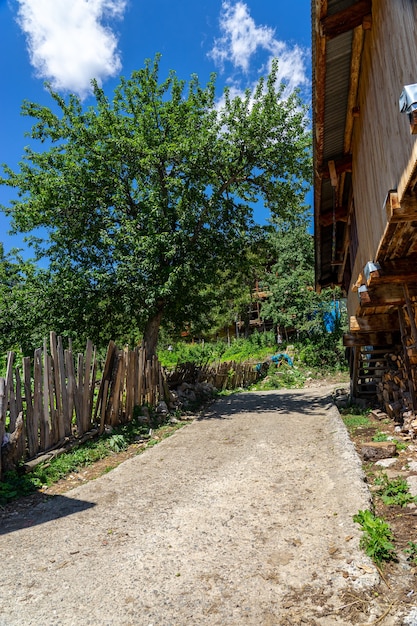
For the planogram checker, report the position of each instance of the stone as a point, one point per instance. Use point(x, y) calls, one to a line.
point(412, 485)
point(378, 414)
point(386, 462)
point(184, 386)
point(375, 450)
point(162, 408)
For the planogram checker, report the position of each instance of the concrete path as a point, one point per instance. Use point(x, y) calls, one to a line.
point(242, 517)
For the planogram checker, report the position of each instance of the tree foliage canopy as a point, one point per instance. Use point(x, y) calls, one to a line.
point(146, 196)
point(293, 304)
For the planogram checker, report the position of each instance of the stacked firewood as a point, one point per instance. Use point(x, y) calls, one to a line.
point(393, 391)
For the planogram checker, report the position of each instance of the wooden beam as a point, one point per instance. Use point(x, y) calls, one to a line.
point(340, 215)
point(368, 339)
point(333, 174)
point(373, 323)
point(401, 211)
point(397, 271)
point(352, 108)
point(342, 164)
point(319, 11)
point(387, 237)
point(381, 301)
point(348, 19)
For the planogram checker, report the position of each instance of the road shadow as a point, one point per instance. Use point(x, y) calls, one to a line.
point(303, 401)
point(51, 508)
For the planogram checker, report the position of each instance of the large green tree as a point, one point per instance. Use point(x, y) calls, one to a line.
point(146, 196)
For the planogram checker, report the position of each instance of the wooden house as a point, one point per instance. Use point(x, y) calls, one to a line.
point(365, 185)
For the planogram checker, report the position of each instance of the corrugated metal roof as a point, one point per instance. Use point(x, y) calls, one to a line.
point(336, 98)
point(337, 69)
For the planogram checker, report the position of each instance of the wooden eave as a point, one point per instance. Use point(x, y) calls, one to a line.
point(347, 19)
point(357, 17)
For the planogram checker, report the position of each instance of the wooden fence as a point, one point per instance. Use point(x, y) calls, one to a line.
point(59, 396)
point(227, 375)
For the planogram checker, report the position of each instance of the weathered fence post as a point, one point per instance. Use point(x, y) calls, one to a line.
point(3, 408)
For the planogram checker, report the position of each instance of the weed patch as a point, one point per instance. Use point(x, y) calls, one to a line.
point(394, 492)
point(380, 436)
point(411, 552)
point(377, 537)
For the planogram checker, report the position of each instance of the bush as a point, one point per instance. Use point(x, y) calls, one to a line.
point(322, 352)
point(377, 537)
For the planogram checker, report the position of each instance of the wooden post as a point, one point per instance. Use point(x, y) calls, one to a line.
point(2, 413)
point(106, 376)
point(69, 368)
point(31, 428)
point(65, 419)
point(57, 385)
point(79, 395)
point(37, 390)
point(130, 384)
point(115, 393)
point(21, 445)
point(103, 400)
point(45, 428)
point(10, 396)
point(92, 388)
point(355, 369)
point(141, 376)
point(86, 386)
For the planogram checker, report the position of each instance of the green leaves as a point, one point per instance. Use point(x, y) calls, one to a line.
point(147, 195)
point(377, 537)
point(394, 491)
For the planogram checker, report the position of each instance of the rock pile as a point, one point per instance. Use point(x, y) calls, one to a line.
point(187, 395)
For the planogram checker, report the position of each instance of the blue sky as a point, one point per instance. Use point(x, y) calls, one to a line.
point(68, 42)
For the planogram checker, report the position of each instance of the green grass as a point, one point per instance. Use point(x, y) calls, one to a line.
point(17, 484)
point(256, 348)
point(355, 418)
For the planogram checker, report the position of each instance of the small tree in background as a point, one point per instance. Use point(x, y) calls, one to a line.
point(294, 305)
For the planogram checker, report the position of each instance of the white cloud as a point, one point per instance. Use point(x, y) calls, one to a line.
point(241, 38)
point(68, 42)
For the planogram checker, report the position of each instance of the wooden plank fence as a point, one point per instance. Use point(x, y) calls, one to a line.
point(60, 398)
point(227, 375)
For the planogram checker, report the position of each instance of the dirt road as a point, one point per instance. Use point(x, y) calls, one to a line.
point(242, 517)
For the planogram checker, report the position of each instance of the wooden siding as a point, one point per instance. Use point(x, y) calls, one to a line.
point(384, 151)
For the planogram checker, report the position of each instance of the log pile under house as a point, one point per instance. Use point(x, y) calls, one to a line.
point(365, 186)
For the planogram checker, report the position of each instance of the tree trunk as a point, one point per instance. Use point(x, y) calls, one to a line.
point(150, 334)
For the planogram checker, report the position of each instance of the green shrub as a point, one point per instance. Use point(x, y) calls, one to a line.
point(394, 492)
point(411, 552)
point(377, 537)
point(322, 352)
point(281, 376)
